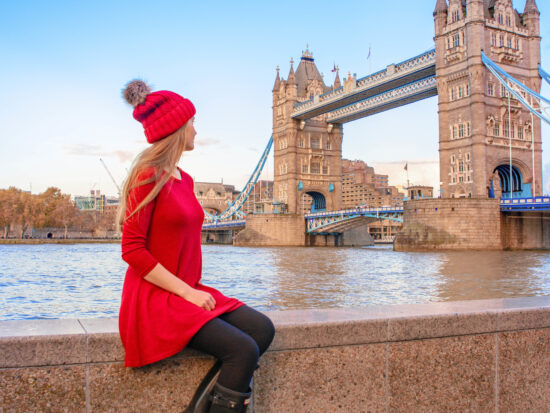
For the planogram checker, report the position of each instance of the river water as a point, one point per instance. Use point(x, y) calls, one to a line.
point(85, 280)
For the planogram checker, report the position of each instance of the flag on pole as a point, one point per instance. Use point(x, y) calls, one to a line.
point(368, 57)
point(406, 167)
point(334, 69)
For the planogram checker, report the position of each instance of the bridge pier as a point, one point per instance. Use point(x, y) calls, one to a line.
point(272, 230)
point(324, 240)
point(470, 224)
point(218, 237)
point(450, 224)
point(525, 230)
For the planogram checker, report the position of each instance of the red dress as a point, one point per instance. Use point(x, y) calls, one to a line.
point(154, 323)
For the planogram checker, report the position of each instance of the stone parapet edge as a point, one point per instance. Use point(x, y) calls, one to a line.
point(37, 343)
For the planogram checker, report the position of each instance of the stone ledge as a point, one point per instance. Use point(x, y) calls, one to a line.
point(421, 357)
point(29, 343)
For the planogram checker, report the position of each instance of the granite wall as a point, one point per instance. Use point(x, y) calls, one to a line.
point(489, 355)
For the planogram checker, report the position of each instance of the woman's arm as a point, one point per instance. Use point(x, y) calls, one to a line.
point(134, 251)
point(163, 278)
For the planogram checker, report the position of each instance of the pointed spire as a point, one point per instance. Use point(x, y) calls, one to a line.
point(307, 54)
point(440, 7)
point(277, 81)
point(291, 78)
point(337, 83)
point(530, 7)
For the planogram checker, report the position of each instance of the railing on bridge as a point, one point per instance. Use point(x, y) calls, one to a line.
point(399, 96)
point(392, 72)
point(339, 221)
point(540, 203)
point(225, 224)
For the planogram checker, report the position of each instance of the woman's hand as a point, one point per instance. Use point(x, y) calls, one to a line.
point(201, 299)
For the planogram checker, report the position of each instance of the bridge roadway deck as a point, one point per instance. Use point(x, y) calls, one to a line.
point(540, 203)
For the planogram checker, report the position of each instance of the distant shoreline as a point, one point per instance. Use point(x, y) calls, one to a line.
point(30, 241)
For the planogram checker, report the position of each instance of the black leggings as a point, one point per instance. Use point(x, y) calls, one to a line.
point(238, 339)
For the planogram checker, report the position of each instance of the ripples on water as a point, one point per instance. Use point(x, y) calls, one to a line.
point(85, 280)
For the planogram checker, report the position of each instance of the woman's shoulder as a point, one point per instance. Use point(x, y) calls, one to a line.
point(185, 177)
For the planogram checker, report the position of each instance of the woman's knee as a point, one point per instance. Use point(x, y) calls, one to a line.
point(245, 350)
point(265, 335)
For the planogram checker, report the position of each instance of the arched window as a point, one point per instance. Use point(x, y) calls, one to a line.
point(455, 16)
point(315, 167)
point(520, 131)
point(500, 18)
point(496, 129)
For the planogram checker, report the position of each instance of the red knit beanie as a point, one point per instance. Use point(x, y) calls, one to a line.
point(161, 113)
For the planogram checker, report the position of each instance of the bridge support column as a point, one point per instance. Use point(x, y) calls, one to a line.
point(272, 230)
point(525, 230)
point(450, 224)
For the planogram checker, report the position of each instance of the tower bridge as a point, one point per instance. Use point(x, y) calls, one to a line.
point(485, 70)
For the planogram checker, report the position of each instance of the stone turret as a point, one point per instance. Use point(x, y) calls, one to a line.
point(291, 86)
point(440, 7)
point(440, 16)
point(475, 9)
point(531, 7)
point(337, 83)
point(291, 80)
point(531, 18)
point(277, 82)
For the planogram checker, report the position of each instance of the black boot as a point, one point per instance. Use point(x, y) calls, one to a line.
point(200, 403)
point(225, 400)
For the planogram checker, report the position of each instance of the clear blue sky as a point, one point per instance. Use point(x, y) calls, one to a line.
point(65, 62)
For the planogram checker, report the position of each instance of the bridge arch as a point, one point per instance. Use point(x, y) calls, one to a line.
point(313, 200)
point(514, 183)
point(319, 201)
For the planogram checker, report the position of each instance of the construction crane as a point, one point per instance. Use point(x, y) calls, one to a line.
point(111, 176)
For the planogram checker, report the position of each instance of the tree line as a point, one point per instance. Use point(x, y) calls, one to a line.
point(21, 211)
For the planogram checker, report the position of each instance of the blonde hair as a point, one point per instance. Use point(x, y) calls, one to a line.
point(161, 157)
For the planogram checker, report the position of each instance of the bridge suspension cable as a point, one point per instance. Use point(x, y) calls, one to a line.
point(544, 74)
point(520, 91)
point(234, 207)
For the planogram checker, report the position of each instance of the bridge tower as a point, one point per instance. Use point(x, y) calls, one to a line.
point(308, 154)
point(477, 122)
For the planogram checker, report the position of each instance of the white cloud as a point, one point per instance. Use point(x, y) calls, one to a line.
point(82, 149)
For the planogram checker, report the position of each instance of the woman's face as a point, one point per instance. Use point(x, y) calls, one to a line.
point(191, 132)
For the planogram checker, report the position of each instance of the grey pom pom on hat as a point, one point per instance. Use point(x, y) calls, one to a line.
point(135, 92)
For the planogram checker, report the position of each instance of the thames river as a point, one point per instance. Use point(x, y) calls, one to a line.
point(85, 280)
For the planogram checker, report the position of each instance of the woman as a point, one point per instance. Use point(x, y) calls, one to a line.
point(164, 306)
